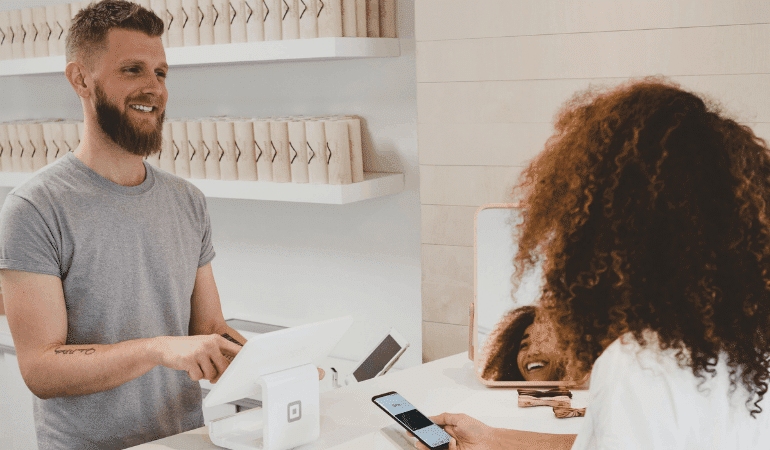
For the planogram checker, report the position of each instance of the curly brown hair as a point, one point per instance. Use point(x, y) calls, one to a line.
point(648, 209)
point(502, 364)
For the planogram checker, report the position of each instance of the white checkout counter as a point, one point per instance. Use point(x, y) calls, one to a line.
point(349, 419)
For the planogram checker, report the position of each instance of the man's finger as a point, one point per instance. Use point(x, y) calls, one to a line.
point(220, 363)
point(208, 369)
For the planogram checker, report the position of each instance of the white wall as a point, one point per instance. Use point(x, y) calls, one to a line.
point(292, 263)
point(493, 73)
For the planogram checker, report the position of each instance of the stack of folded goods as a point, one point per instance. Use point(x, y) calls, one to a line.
point(316, 150)
point(41, 31)
point(28, 145)
point(34, 32)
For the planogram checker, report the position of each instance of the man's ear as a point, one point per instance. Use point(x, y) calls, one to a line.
point(76, 75)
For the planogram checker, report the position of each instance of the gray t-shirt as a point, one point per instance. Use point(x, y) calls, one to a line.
point(127, 258)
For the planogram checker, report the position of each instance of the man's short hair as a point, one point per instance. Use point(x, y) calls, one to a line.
point(89, 29)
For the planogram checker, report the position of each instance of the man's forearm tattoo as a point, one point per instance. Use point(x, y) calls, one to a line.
point(231, 339)
point(85, 351)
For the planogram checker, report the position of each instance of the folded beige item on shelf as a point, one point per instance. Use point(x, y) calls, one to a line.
point(36, 138)
point(24, 146)
point(59, 20)
point(240, 10)
point(195, 145)
point(160, 9)
point(167, 150)
point(15, 146)
point(72, 132)
point(211, 154)
point(330, 18)
point(298, 151)
point(264, 152)
point(228, 165)
point(290, 19)
point(388, 18)
point(373, 18)
point(361, 18)
point(255, 20)
point(179, 142)
point(54, 140)
point(356, 147)
point(338, 148)
point(244, 145)
point(308, 19)
point(5, 149)
point(223, 15)
point(279, 151)
point(349, 19)
point(191, 21)
point(27, 33)
point(176, 19)
point(206, 30)
point(17, 35)
point(273, 20)
point(5, 35)
point(40, 31)
point(318, 167)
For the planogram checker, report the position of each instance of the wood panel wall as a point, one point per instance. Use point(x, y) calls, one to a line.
point(491, 74)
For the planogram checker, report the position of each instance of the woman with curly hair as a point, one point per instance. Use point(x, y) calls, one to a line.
point(523, 347)
point(650, 212)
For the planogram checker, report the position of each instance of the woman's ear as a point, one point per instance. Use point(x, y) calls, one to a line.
point(76, 75)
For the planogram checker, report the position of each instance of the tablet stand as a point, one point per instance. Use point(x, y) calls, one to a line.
point(289, 417)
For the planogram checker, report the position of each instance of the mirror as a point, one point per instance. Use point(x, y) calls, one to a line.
point(512, 344)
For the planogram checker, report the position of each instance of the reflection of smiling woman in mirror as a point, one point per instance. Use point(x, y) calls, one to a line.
point(650, 210)
point(523, 347)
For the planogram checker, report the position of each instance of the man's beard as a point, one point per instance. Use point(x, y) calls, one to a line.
point(118, 126)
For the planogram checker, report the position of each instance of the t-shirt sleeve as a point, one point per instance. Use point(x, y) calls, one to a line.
point(629, 407)
point(27, 242)
point(207, 247)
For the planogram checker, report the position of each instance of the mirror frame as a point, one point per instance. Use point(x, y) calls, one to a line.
point(473, 354)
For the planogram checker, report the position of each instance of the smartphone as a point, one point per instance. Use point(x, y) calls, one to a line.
point(414, 421)
point(381, 358)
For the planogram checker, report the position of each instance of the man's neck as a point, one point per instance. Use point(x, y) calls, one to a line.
point(109, 160)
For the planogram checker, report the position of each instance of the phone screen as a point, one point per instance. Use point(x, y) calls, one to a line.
point(413, 420)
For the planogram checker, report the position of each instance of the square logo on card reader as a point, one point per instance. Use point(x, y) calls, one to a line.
point(294, 411)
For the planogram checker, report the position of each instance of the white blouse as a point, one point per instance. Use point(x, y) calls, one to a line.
point(642, 399)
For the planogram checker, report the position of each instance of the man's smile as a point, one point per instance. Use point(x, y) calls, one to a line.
point(143, 108)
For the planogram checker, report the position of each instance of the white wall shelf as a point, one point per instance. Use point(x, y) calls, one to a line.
point(375, 184)
point(319, 49)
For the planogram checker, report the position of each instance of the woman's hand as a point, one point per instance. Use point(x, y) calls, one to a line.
point(467, 433)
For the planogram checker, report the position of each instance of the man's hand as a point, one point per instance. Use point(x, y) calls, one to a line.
point(467, 433)
point(202, 357)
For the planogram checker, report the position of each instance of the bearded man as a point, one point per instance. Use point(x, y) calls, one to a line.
point(105, 261)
